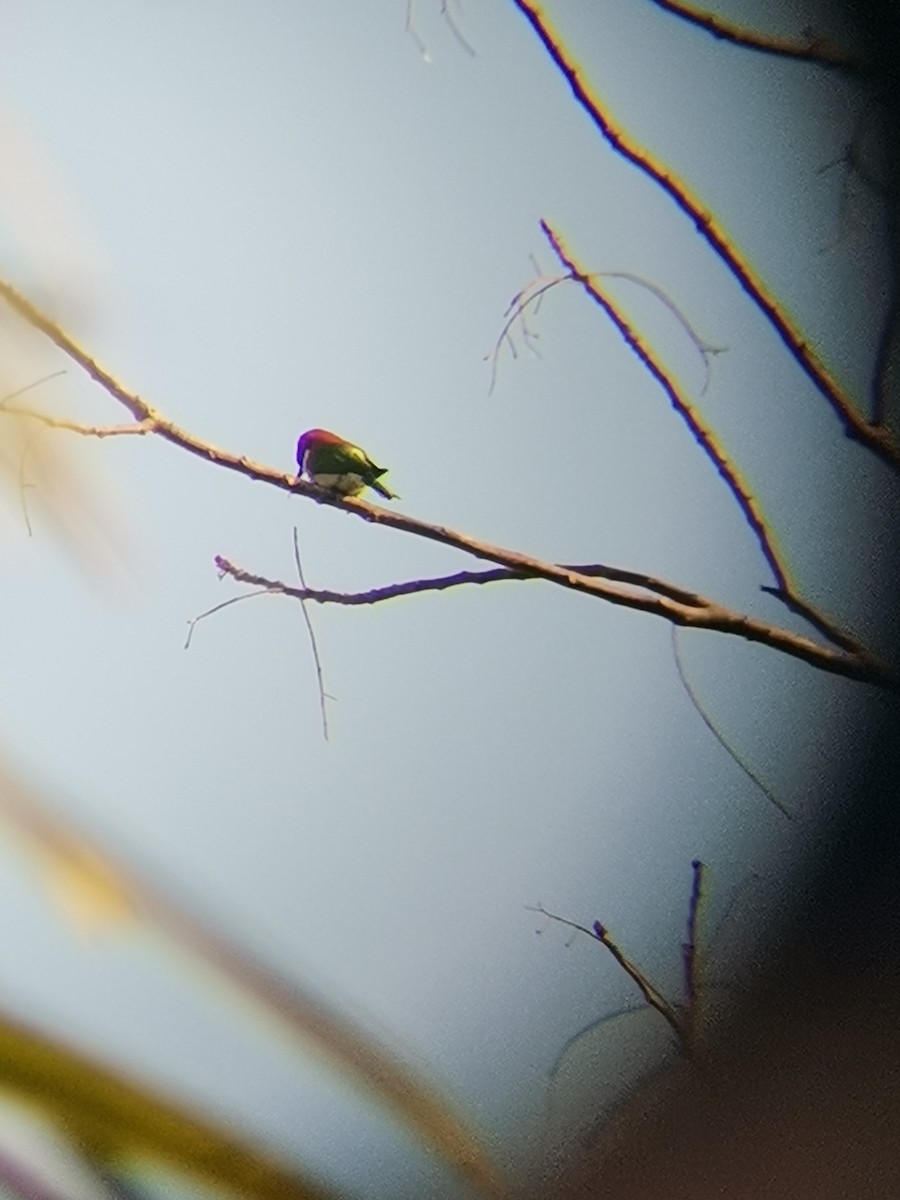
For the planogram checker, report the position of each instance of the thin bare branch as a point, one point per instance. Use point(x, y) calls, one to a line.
point(701, 433)
point(97, 431)
point(23, 482)
point(444, 582)
point(879, 440)
point(516, 311)
point(699, 612)
point(312, 639)
point(447, 14)
point(651, 995)
point(818, 620)
point(703, 348)
point(719, 736)
point(194, 621)
point(808, 48)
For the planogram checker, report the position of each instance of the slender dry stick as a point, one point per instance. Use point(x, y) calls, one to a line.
point(438, 584)
point(698, 613)
point(312, 639)
point(719, 736)
point(877, 439)
point(808, 49)
point(533, 294)
point(28, 387)
point(194, 621)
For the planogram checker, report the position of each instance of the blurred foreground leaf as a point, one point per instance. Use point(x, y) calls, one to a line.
point(94, 886)
point(117, 1123)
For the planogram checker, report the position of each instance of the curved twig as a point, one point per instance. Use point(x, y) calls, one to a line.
point(701, 433)
point(312, 639)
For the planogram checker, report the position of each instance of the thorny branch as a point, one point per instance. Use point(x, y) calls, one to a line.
point(655, 597)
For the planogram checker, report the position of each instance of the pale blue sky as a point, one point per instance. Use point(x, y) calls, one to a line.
point(269, 217)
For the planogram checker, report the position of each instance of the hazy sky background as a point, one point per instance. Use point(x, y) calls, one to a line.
point(266, 217)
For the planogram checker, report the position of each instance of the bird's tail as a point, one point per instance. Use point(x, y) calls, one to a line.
point(383, 491)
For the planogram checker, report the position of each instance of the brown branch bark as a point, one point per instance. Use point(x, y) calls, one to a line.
point(806, 49)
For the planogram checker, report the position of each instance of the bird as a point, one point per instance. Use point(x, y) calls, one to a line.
point(334, 463)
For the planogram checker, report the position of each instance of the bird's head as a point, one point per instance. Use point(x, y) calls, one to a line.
point(315, 437)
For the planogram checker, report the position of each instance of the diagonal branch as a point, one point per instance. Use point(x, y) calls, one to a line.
point(698, 612)
point(702, 435)
point(877, 439)
point(810, 48)
point(653, 997)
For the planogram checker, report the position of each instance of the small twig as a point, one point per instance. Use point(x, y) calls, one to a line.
point(531, 294)
point(148, 425)
point(216, 608)
point(651, 995)
point(444, 582)
point(457, 32)
point(718, 735)
point(312, 640)
point(23, 483)
point(703, 348)
point(7, 400)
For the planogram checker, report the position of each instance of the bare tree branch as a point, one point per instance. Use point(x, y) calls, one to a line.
point(681, 1018)
point(809, 48)
point(652, 996)
point(702, 434)
point(878, 439)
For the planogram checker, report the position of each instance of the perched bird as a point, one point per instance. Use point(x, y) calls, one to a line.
point(333, 463)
